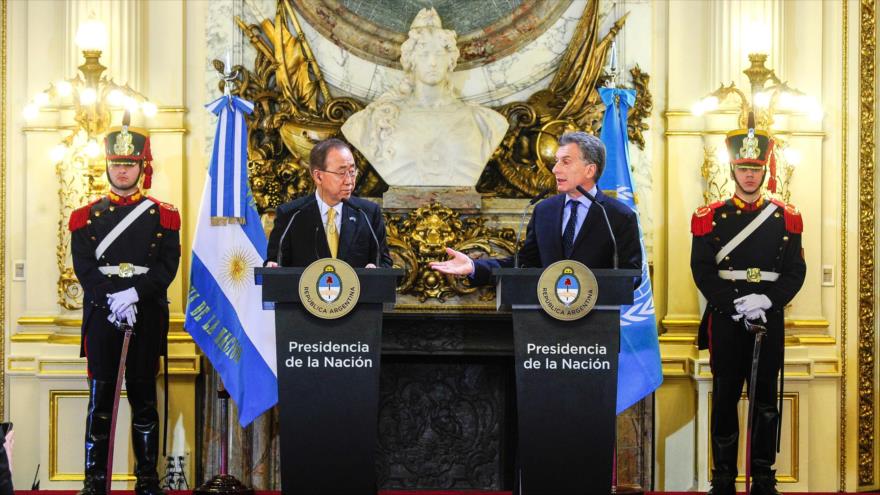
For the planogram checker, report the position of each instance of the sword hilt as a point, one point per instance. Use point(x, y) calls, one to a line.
point(754, 328)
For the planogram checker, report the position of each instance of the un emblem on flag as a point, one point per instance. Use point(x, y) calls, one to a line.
point(329, 288)
point(567, 290)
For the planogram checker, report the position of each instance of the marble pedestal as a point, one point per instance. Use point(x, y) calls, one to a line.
point(411, 197)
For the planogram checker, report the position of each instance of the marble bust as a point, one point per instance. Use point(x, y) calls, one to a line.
point(421, 133)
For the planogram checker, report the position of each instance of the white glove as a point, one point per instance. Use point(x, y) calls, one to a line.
point(757, 314)
point(120, 300)
point(751, 302)
point(128, 315)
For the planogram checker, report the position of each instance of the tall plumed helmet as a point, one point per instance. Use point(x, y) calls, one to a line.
point(130, 144)
point(751, 146)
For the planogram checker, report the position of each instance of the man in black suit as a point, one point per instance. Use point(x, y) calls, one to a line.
point(567, 226)
point(330, 222)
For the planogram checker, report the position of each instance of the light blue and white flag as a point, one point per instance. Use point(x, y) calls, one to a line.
point(224, 312)
point(640, 371)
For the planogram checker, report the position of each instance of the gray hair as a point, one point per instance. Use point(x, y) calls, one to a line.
point(592, 148)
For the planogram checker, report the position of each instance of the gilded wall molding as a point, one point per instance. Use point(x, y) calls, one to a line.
point(844, 177)
point(3, 85)
point(55, 397)
point(867, 176)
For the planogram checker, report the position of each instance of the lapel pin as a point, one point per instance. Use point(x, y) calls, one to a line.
point(352, 219)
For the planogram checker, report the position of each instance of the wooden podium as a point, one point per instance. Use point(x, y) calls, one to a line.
point(328, 384)
point(566, 384)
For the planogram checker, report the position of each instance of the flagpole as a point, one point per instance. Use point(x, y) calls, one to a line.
point(224, 482)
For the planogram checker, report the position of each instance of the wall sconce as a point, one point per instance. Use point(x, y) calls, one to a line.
point(768, 95)
point(78, 159)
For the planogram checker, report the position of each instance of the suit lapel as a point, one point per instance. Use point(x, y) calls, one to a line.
point(553, 219)
point(316, 236)
point(594, 218)
point(347, 229)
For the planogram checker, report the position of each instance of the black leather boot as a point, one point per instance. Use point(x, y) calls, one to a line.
point(97, 436)
point(725, 434)
point(764, 483)
point(723, 483)
point(145, 436)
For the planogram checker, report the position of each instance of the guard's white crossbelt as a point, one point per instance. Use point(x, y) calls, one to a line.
point(745, 233)
point(120, 227)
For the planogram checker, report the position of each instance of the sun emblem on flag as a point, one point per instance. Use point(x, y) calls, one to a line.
point(567, 287)
point(329, 285)
point(237, 268)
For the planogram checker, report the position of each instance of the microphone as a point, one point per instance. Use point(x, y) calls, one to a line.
point(604, 214)
point(370, 226)
point(315, 242)
point(522, 221)
point(281, 240)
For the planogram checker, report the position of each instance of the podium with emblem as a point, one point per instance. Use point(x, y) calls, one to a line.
point(566, 333)
point(328, 327)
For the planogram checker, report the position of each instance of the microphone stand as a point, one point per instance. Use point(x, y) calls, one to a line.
point(522, 222)
point(372, 232)
point(281, 240)
point(607, 222)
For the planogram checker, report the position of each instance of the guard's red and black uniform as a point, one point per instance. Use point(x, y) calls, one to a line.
point(152, 241)
point(144, 255)
point(770, 262)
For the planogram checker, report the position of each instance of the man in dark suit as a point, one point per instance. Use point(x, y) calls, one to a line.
point(330, 222)
point(568, 225)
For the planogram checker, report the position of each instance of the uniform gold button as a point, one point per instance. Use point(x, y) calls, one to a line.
point(112, 208)
point(97, 213)
point(714, 224)
point(88, 221)
point(776, 215)
point(94, 239)
point(152, 212)
point(158, 234)
point(739, 212)
point(152, 244)
point(724, 215)
point(785, 238)
point(727, 258)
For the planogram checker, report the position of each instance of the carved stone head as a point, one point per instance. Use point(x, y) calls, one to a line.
point(430, 52)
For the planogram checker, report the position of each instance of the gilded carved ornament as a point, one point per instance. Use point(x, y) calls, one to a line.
point(294, 109)
point(421, 236)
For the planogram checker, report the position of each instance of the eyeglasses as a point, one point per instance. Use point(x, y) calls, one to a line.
point(351, 173)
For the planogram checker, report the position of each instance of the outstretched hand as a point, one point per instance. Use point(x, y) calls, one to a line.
point(457, 264)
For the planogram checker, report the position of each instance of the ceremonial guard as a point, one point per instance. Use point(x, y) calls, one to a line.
point(748, 262)
point(126, 250)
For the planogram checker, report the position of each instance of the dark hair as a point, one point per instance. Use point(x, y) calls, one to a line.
point(318, 156)
point(592, 148)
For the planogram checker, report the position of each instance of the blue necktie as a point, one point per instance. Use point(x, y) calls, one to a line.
point(568, 234)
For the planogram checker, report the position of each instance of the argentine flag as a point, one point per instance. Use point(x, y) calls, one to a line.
point(224, 312)
point(640, 372)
